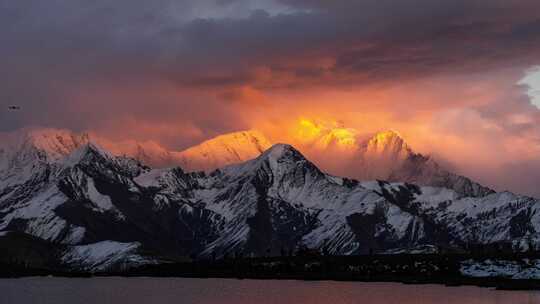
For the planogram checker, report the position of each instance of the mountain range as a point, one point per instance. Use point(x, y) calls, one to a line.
point(382, 156)
point(67, 201)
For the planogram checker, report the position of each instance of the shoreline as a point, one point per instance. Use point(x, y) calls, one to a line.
point(495, 283)
point(405, 269)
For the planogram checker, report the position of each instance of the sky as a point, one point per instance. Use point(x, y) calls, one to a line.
point(458, 79)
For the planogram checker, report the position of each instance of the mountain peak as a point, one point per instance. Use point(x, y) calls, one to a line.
point(324, 135)
point(388, 142)
point(387, 137)
point(386, 156)
point(285, 158)
point(278, 158)
point(51, 144)
point(224, 150)
point(88, 152)
point(254, 138)
point(279, 151)
point(57, 143)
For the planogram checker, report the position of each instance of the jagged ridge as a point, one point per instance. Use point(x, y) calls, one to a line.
point(273, 203)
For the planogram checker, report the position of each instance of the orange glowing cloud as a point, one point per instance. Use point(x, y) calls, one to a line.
point(443, 75)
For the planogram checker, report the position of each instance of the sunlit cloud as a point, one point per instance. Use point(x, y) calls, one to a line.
point(532, 83)
point(455, 78)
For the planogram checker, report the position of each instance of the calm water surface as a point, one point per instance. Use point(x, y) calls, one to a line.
point(202, 291)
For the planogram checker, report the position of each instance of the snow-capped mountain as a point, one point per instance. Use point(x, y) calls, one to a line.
point(209, 155)
point(108, 210)
point(386, 156)
point(324, 136)
point(382, 154)
point(149, 153)
point(53, 144)
point(223, 150)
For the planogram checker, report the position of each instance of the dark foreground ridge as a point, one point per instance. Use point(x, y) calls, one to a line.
point(404, 268)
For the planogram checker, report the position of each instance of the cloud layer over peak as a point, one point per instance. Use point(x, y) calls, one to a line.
point(443, 73)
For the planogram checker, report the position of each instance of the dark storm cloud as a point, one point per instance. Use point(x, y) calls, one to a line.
point(378, 39)
point(58, 57)
point(179, 41)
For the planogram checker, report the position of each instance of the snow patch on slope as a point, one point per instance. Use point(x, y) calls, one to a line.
point(524, 269)
point(41, 221)
point(103, 202)
point(104, 255)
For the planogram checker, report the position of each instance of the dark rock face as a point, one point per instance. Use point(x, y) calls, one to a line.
point(23, 249)
point(290, 225)
point(521, 225)
point(261, 233)
point(364, 227)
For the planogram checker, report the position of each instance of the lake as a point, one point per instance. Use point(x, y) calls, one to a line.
point(201, 291)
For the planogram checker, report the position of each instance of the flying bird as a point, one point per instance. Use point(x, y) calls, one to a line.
point(14, 108)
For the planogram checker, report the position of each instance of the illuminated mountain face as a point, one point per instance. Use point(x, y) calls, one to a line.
point(325, 135)
point(382, 156)
point(386, 156)
point(214, 153)
point(223, 150)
